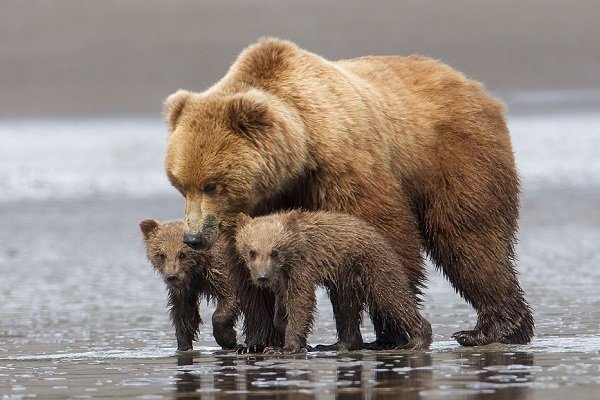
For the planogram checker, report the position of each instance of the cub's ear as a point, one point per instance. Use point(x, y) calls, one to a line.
point(148, 226)
point(174, 105)
point(292, 216)
point(249, 114)
point(241, 220)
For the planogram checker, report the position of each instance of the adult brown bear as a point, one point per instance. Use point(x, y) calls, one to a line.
point(406, 143)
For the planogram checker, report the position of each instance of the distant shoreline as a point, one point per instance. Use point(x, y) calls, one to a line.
point(72, 58)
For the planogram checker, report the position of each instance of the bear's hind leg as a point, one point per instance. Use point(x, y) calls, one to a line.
point(478, 261)
point(468, 219)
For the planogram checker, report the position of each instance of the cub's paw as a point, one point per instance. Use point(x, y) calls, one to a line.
point(293, 349)
point(249, 349)
point(273, 350)
point(185, 347)
point(287, 350)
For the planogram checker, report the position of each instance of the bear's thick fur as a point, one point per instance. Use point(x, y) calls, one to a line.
point(291, 253)
point(406, 143)
point(190, 275)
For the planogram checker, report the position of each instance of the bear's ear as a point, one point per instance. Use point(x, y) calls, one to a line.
point(249, 114)
point(241, 220)
point(174, 105)
point(148, 226)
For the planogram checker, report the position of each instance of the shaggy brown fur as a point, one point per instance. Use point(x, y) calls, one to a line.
point(406, 143)
point(190, 274)
point(291, 253)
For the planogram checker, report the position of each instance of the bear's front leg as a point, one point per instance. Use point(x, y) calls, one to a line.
point(223, 322)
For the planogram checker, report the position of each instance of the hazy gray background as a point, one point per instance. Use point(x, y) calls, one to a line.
point(99, 58)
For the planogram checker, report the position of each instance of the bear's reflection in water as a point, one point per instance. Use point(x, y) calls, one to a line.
point(356, 375)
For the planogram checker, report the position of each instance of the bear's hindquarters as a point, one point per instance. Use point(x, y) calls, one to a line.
point(468, 220)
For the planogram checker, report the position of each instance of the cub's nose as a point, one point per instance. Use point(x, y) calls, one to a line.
point(171, 278)
point(196, 242)
point(263, 280)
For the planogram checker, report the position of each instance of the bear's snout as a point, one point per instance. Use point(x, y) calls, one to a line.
point(171, 279)
point(195, 241)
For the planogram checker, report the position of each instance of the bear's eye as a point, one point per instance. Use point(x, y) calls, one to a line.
point(182, 256)
point(161, 255)
point(274, 254)
point(209, 187)
point(251, 254)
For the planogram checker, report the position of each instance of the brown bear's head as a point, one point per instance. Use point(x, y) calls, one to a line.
point(265, 244)
point(176, 262)
point(228, 154)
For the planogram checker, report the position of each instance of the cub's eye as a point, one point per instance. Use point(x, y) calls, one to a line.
point(182, 256)
point(160, 255)
point(251, 254)
point(274, 254)
point(209, 187)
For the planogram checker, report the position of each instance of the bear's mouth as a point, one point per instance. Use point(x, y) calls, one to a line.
point(172, 281)
point(263, 281)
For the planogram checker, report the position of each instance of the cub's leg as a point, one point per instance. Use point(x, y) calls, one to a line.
point(347, 311)
point(394, 309)
point(280, 318)
point(301, 306)
point(185, 316)
point(386, 207)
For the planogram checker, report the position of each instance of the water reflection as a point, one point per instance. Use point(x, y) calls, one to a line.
point(360, 375)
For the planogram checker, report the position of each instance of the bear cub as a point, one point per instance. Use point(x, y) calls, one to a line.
point(291, 253)
point(189, 275)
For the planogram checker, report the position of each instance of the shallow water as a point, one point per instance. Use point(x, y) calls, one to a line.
point(82, 314)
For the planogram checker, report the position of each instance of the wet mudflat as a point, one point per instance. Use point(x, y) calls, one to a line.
point(82, 315)
point(494, 373)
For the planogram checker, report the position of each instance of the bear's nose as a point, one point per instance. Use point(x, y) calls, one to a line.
point(171, 278)
point(196, 242)
point(263, 279)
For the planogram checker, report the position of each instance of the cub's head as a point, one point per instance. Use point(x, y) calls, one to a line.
point(266, 245)
point(176, 262)
point(228, 154)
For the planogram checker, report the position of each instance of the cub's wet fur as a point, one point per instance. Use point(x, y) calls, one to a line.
point(291, 253)
point(190, 275)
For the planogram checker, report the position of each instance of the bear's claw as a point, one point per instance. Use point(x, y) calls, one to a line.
point(473, 338)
